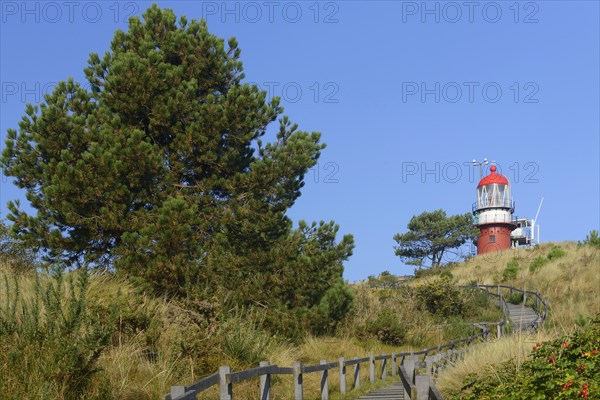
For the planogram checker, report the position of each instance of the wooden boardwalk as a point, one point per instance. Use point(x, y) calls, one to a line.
point(394, 392)
point(523, 317)
point(416, 368)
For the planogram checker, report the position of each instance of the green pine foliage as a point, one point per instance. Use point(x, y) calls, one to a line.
point(159, 171)
point(431, 235)
point(591, 239)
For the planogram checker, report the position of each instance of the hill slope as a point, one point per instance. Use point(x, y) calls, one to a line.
point(566, 274)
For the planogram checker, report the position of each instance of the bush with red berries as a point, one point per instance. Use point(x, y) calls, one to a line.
point(566, 368)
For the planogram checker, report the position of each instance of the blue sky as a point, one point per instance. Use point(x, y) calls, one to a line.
point(404, 93)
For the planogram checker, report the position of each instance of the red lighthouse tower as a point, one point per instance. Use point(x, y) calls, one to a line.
point(493, 213)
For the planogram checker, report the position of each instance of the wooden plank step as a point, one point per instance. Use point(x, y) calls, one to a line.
point(522, 317)
point(394, 392)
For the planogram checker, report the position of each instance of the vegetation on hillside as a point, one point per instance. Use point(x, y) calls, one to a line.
point(105, 336)
point(159, 172)
point(160, 248)
point(385, 280)
point(109, 337)
point(564, 368)
point(566, 275)
point(20, 257)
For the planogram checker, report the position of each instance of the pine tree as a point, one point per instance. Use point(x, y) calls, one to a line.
point(159, 171)
point(431, 235)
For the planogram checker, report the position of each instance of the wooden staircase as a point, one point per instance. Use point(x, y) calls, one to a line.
point(394, 392)
point(523, 318)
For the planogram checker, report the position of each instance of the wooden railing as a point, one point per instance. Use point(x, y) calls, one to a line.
point(415, 369)
point(539, 305)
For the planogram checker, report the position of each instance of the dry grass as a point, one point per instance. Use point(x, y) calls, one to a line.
point(132, 369)
point(128, 370)
point(132, 375)
point(483, 357)
point(571, 284)
point(311, 352)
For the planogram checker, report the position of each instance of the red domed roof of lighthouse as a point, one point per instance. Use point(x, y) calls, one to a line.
point(493, 177)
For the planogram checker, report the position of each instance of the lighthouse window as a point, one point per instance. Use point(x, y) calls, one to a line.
point(492, 238)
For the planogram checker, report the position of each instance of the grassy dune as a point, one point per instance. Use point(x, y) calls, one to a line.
point(146, 344)
point(570, 283)
point(151, 343)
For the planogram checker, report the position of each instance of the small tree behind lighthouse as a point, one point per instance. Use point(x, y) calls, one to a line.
point(493, 212)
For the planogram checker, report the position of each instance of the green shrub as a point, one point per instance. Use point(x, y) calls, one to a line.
point(442, 270)
point(555, 253)
point(245, 341)
point(566, 368)
point(511, 270)
point(386, 328)
point(480, 306)
point(446, 274)
point(515, 298)
point(457, 328)
point(591, 239)
point(384, 280)
point(442, 297)
point(50, 340)
point(538, 263)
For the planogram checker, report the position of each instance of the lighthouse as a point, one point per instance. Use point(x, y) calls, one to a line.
point(493, 212)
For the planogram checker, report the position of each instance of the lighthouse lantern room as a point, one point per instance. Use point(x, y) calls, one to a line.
point(493, 212)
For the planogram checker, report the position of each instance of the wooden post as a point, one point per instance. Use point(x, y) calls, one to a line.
point(225, 388)
point(428, 364)
point(499, 329)
point(324, 382)
point(394, 365)
point(409, 366)
point(422, 384)
point(437, 360)
point(372, 368)
point(177, 391)
point(383, 367)
point(298, 392)
point(265, 383)
point(356, 383)
point(342, 376)
point(444, 361)
point(499, 297)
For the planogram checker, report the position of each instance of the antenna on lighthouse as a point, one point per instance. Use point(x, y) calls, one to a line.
point(534, 223)
point(481, 164)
